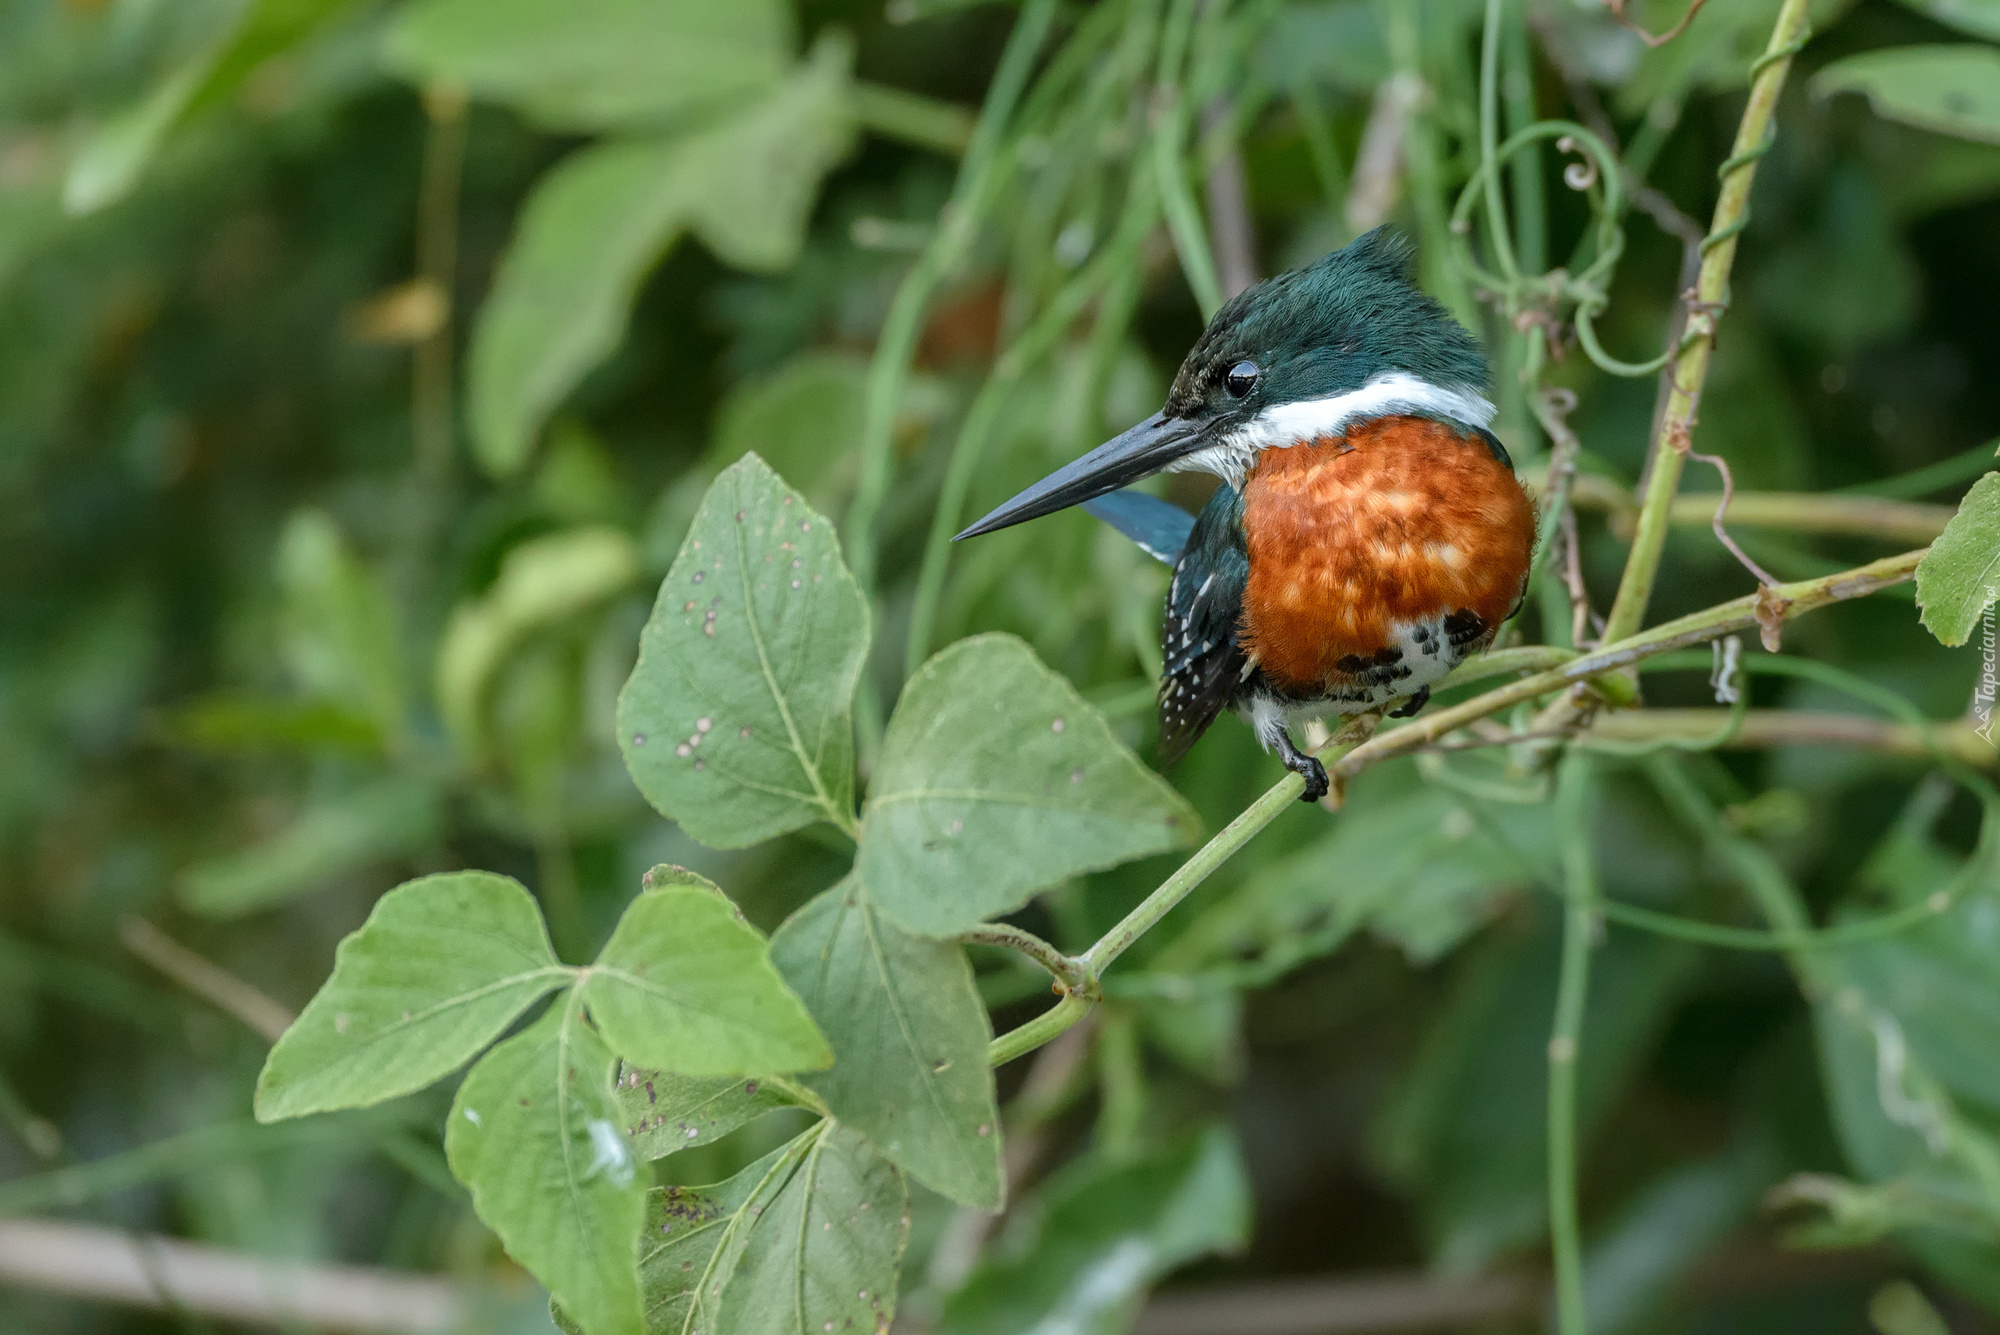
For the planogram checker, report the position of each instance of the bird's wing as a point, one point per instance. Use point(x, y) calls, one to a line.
point(1204, 665)
point(1159, 527)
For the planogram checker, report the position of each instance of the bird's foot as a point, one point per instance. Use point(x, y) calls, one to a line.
point(1306, 767)
point(1414, 703)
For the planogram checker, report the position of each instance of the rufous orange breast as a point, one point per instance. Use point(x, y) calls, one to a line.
point(1387, 555)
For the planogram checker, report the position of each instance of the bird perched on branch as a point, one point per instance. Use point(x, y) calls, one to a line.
point(1369, 534)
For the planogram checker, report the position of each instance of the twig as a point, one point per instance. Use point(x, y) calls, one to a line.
point(1617, 8)
point(1580, 615)
point(1754, 135)
point(1770, 625)
point(1695, 628)
point(1765, 728)
point(1580, 897)
point(1374, 1304)
point(106, 1265)
point(1067, 972)
point(206, 979)
point(1795, 511)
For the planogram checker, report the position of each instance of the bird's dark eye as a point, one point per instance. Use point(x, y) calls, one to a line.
point(1242, 378)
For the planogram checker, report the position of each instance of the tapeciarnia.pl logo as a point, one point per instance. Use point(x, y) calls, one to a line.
point(1989, 678)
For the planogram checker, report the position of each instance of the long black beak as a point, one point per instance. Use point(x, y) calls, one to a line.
point(1140, 452)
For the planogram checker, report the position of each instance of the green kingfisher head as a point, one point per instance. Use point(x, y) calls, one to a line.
point(1294, 359)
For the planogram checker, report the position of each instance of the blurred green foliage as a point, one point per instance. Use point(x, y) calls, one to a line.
point(267, 648)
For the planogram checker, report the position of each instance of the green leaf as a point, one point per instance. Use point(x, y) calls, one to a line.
point(815, 1246)
point(909, 1041)
point(541, 582)
point(338, 625)
point(685, 984)
point(600, 220)
point(683, 1227)
point(1959, 577)
point(996, 780)
point(1105, 1233)
point(387, 818)
point(440, 968)
point(594, 64)
point(1952, 90)
point(116, 154)
point(735, 721)
point(534, 1133)
point(664, 1113)
point(744, 1257)
point(1980, 18)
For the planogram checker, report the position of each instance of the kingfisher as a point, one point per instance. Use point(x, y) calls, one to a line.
point(1368, 534)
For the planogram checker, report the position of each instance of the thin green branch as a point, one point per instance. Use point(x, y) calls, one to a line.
point(1077, 1002)
point(1044, 1027)
point(1754, 134)
point(1580, 897)
point(1745, 938)
point(1065, 969)
point(1761, 729)
point(1784, 600)
point(1192, 873)
point(1500, 662)
point(1798, 512)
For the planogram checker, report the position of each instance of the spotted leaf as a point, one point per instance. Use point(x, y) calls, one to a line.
point(804, 1241)
point(909, 1040)
point(441, 967)
point(814, 1248)
point(665, 1113)
point(685, 984)
point(534, 1133)
point(997, 780)
point(736, 720)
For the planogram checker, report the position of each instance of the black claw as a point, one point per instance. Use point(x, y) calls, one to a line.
point(1306, 767)
point(1409, 707)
